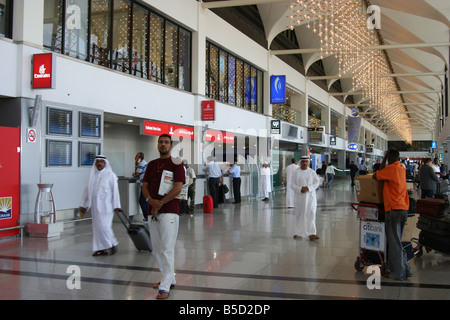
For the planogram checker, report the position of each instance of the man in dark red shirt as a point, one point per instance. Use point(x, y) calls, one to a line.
point(164, 211)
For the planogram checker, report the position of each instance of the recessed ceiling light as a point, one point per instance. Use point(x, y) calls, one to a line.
point(130, 120)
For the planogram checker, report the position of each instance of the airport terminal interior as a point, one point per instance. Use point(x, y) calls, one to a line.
point(239, 252)
point(251, 82)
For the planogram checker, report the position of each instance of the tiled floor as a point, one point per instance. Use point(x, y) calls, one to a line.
point(239, 252)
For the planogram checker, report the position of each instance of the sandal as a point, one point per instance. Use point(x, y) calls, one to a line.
point(113, 250)
point(100, 253)
point(156, 285)
point(162, 294)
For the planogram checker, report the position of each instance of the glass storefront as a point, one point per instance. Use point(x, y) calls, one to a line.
point(122, 35)
point(6, 18)
point(231, 80)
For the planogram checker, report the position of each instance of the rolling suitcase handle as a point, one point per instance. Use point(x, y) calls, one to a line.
point(122, 218)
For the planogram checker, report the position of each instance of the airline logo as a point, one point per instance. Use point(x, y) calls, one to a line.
point(43, 71)
point(5, 208)
point(208, 110)
point(219, 136)
point(154, 128)
point(278, 89)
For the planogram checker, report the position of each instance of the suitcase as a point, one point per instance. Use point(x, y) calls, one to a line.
point(138, 233)
point(440, 226)
point(208, 204)
point(435, 241)
point(431, 207)
point(407, 246)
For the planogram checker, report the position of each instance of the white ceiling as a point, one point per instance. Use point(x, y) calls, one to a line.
point(416, 22)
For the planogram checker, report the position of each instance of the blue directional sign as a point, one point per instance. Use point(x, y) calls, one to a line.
point(278, 89)
point(352, 146)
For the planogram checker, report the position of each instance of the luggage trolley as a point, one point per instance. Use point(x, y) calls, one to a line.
point(372, 235)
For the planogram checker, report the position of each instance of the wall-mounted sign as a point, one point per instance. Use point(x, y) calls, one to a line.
point(278, 89)
point(353, 146)
point(219, 136)
point(208, 110)
point(153, 128)
point(332, 140)
point(316, 134)
point(31, 135)
point(354, 129)
point(44, 71)
point(275, 126)
point(434, 144)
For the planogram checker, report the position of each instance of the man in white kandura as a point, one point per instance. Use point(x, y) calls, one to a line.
point(102, 196)
point(305, 182)
point(290, 193)
point(265, 184)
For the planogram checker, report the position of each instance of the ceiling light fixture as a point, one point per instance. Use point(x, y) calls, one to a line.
point(342, 28)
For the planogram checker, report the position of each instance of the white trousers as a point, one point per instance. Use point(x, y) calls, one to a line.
point(163, 233)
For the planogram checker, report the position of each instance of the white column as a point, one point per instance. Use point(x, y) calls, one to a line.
point(28, 21)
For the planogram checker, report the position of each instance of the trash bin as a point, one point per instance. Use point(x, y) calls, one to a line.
point(44, 210)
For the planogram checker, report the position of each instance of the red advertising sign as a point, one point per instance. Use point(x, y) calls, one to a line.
point(228, 137)
point(183, 132)
point(10, 177)
point(208, 110)
point(219, 136)
point(154, 128)
point(44, 71)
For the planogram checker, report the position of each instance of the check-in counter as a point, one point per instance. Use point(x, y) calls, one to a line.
point(201, 186)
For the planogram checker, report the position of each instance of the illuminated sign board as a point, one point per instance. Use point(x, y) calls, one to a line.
point(219, 136)
point(353, 146)
point(44, 71)
point(208, 110)
point(316, 134)
point(153, 128)
point(278, 89)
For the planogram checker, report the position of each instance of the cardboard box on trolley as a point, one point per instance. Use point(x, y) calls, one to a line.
point(368, 189)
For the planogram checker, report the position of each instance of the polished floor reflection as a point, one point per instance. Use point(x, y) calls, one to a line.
point(243, 251)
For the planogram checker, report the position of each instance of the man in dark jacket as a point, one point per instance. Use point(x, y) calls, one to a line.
point(353, 170)
point(428, 179)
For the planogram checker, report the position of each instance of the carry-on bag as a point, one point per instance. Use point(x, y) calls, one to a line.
point(208, 204)
point(435, 241)
point(431, 207)
point(440, 226)
point(138, 233)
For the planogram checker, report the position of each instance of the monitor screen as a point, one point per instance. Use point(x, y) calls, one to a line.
point(59, 153)
point(87, 153)
point(293, 132)
point(59, 121)
point(90, 125)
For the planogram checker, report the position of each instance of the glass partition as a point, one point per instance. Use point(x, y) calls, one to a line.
point(122, 34)
point(6, 18)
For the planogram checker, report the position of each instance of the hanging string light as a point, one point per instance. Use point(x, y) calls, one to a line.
point(341, 26)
